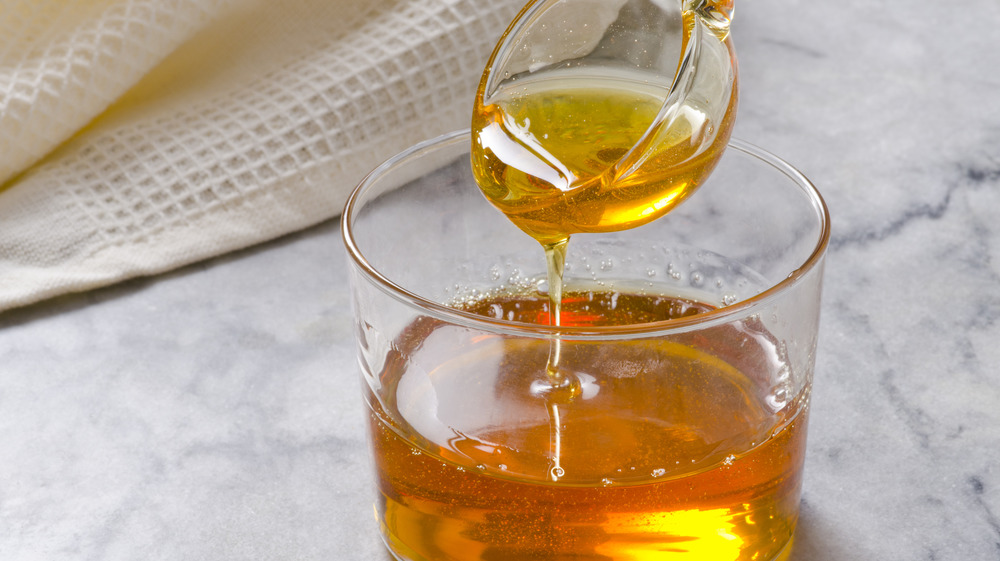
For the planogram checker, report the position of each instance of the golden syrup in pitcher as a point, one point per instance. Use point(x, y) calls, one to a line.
point(549, 155)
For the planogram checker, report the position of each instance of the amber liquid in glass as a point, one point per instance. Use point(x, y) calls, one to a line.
point(670, 449)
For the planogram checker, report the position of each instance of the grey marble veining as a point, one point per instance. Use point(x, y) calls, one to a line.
point(214, 413)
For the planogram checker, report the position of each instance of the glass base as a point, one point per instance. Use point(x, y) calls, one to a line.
point(784, 555)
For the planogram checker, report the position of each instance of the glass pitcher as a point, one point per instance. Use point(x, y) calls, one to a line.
point(602, 115)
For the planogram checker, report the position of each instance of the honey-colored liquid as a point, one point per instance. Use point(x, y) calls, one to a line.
point(566, 153)
point(671, 448)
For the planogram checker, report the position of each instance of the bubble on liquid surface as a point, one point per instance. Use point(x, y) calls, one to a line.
point(607, 264)
point(659, 472)
point(542, 286)
point(673, 272)
point(729, 299)
point(495, 273)
point(650, 272)
point(697, 280)
point(779, 398)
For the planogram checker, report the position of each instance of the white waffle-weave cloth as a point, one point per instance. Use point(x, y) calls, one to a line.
point(137, 136)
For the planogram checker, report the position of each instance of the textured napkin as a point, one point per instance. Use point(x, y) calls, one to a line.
point(137, 136)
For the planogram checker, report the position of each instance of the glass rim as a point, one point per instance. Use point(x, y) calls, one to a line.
point(724, 314)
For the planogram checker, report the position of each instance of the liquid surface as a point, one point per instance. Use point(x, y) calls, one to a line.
point(669, 448)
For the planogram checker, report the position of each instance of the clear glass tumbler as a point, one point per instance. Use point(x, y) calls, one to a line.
point(689, 345)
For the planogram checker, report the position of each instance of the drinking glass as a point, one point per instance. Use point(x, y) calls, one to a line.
point(690, 344)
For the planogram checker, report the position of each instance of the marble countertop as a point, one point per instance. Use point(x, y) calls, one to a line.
point(214, 412)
